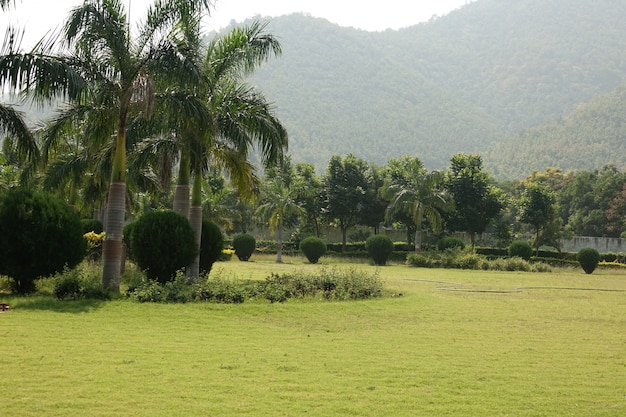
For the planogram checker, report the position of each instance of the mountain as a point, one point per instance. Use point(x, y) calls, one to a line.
point(592, 136)
point(470, 81)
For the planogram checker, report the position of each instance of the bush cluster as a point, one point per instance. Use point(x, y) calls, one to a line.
point(76, 284)
point(460, 259)
point(327, 284)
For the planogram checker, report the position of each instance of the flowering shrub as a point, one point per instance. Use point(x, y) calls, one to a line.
point(227, 254)
point(94, 245)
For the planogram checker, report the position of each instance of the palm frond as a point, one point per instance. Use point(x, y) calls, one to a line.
point(12, 122)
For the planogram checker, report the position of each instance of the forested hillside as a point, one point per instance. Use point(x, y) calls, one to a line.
point(593, 136)
point(460, 83)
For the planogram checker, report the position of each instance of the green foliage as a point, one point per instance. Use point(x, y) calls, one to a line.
point(327, 284)
point(588, 258)
point(91, 225)
point(313, 248)
point(459, 259)
point(379, 248)
point(244, 245)
point(450, 242)
point(521, 249)
point(39, 236)
point(476, 202)
point(162, 242)
point(211, 246)
point(221, 290)
point(74, 284)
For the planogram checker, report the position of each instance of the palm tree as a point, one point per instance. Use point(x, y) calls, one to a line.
point(412, 189)
point(279, 208)
point(240, 118)
point(114, 77)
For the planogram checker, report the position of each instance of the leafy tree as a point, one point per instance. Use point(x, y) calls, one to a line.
point(414, 191)
point(279, 208)
point(537, 207)
point(310, 196)
point(374, 205)
point(345, 185)
point(476, 202)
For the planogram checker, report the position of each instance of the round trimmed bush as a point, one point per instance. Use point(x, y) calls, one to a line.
point(211, 245)
point(39, 236)
point(521, 249)
point(379, 248)
point(588, 258)
point(244, 246)
point(162, 242)
point(450, 242)
point(313, 248)
point(92, 225)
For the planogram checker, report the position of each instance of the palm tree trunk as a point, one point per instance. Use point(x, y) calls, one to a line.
point(112, 245)
point(195, 218)
point(116, 210)
point(181, 194)
point(418, 240)
point(279, 245)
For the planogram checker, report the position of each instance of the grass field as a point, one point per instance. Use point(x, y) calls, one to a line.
point(454, 343)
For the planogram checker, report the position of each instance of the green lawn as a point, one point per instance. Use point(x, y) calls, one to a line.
point(428, 352)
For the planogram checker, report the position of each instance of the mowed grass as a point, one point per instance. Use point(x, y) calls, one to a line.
point(427, 351)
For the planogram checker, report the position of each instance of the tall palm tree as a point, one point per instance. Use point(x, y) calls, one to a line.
point(412, 189)
point(115, 76)
point(280, 209)
point(240, 119)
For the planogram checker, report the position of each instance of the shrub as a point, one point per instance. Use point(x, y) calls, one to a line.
point(211, 246)
point(39, 236)
point(162, 242)
point(75, 284)
point(94, 245)
point(450, 242)
point(379, 248)
point(419, 260)
point(244, 246)
point(313, 248)
point(588, 258)
point(126, 235)
point(92, 225)
point(67, 287)
point(521, 249)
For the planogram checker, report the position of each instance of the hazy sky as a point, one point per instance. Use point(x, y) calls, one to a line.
point(39, 16)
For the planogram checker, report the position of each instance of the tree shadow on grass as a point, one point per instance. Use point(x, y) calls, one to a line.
point(49, 303)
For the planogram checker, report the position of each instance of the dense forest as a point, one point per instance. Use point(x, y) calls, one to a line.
point(483, 78)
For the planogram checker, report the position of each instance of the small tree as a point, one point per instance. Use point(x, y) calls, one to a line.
point(39, 236)
point(588, 258)
point(162, 242)
point(313, 248)
point(244, 246)
point(379, 248)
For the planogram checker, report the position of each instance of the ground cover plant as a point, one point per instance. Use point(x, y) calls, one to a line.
point(441, 342)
